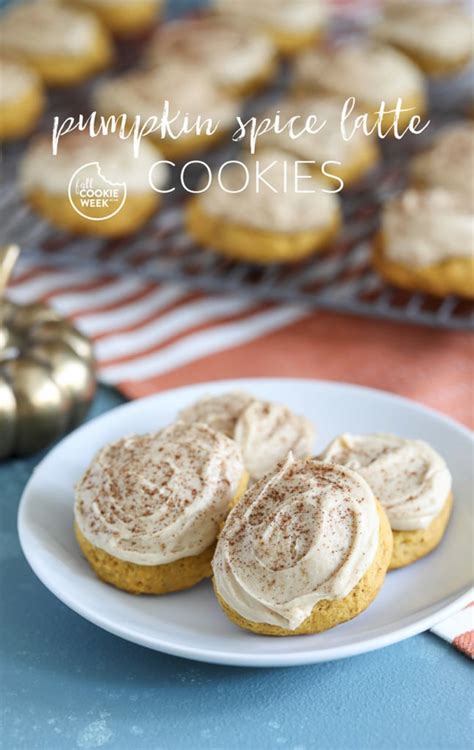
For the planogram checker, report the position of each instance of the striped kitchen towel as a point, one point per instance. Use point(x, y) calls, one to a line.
point(150, 336)
point(459, 630)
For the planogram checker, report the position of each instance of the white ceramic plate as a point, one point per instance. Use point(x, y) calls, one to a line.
point(191, 623)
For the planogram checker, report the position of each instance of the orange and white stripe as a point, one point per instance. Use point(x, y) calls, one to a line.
point(143, 329)
point(459, 630)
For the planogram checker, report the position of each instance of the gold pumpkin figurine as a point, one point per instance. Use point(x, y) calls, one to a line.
point(47, 372)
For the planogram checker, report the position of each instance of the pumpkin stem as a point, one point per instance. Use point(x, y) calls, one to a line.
point(8, 257)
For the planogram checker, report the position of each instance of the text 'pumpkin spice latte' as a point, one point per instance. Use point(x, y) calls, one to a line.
point(149, 507)
point(305, 549)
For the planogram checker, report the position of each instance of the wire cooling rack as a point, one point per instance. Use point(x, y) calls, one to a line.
point(340, 279)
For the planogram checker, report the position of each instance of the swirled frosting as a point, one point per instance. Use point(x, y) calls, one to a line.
point(325, 145)
point(45, 27)
point(449, 163)
point(439, 30)
point(266, 432)
point(231, 51)
point(189, 91)
point(17, 80)
point(408, 477)
point(295, 16)
point(219, 412)
point(425, 227)
point(153, 499)
point(307, 532)
point(117, 162)
point(289, 198)
point(368, 71)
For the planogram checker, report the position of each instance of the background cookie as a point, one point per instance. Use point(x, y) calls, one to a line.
point(21, 100)
point(64, 45)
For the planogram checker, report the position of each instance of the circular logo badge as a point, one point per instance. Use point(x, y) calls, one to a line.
point(93, 196)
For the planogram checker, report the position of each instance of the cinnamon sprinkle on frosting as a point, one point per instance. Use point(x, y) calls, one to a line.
point(408, 477)
point(307, 532)
point(265, 431)
point(156, 498)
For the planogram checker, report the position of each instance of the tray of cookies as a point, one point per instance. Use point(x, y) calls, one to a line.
point(395, 243)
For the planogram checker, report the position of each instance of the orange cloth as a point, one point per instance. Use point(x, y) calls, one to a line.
point(434, 367)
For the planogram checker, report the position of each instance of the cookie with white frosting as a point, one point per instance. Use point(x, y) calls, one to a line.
point(305, 549)
point(48, 181)
point(356, 156)
point(426, 242)
point(63, 44)
point(437, 36)
point(271, 220)
point(265, 432)
point(21, 99)
point(125, 18)
point(149, 507)
point(410, 480)
point(292, 26)
point(190, 95)
point(238, 57)
point(371, 72)
point(449, 162)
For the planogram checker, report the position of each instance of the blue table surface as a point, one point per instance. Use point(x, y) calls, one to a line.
point(68, 684)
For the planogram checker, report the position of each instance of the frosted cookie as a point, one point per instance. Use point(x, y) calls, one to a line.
point(449, 162)
point(45, 179)
point(409, 479)
point(64, 45)
point(191, 94)
point(235, 55)
point(292, 26)
point(21, 100)
point(370, 72)
point(272, 224)
point(125, 18)
point(357, 155)
point(265, 432)
point(149, 507)
point(426, 242)
point(437, 36)
point(305, 549)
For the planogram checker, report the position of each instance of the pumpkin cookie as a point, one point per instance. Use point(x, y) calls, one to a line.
point(436, 36)
point(449, 162)
point(305, 549)
point(357, 156)
point(237, 57)
point(149, 507)
point(371, 72)
point(21, 100)
point(45, 180)
point(410, 480)
point(125, 18)
point(268, 222)
point(292, 26)
point(426, 243)
point(191, 94)
point(265, 432)
point(64, 45)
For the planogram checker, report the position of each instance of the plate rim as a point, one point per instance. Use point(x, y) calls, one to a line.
point(455, 601)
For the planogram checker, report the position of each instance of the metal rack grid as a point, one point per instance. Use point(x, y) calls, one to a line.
point(340, 279)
